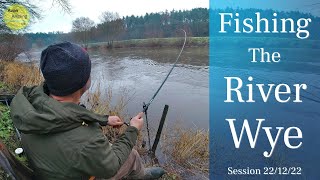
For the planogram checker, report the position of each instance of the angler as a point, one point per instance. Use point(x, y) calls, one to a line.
point(61, 138)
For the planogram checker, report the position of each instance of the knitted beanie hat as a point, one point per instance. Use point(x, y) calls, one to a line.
point(66, 68)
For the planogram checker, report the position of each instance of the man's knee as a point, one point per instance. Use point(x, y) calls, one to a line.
point(134, 155)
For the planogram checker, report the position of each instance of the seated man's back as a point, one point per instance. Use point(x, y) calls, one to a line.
point(64, 140)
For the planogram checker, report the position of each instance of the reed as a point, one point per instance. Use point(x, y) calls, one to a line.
point(16, 74)
point(187, 147)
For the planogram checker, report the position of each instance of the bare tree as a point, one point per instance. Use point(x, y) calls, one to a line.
point(81, 28)
point(111, 26)
point(109, 16)
point(64, 5)
point(11, 46)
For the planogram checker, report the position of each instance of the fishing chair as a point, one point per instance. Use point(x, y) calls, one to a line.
point(12, 166)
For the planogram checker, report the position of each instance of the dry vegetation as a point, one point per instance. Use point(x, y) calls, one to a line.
point(94, 101)
point(188, 148)
point(16, 75)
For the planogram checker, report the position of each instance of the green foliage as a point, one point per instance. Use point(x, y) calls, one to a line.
point(166, 24)
point(7, 132)
point(6, 125)
point(2, 85)
point(8, 136)
point(4, 88)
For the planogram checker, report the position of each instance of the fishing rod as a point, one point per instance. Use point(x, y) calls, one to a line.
point(146, 105)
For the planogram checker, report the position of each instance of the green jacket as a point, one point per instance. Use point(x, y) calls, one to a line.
point(57, 143)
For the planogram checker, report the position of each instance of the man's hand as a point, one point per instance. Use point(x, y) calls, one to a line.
point(114, 121)
point(137, 121)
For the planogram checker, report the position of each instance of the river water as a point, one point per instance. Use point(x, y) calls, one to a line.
point(139, 73)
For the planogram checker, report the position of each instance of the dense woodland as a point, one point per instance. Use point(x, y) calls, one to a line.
point(151, 25)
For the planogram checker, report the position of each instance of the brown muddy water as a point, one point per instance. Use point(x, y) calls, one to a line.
point(140, 71)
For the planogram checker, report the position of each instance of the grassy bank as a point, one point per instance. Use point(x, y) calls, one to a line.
point(154, 42)
point(187, 150)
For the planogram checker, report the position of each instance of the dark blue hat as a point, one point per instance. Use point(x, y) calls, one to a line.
point(66, 68)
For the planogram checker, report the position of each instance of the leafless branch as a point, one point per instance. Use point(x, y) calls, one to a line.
point(64, 4)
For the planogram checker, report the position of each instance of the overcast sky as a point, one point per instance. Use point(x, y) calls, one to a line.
point(55, 20)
